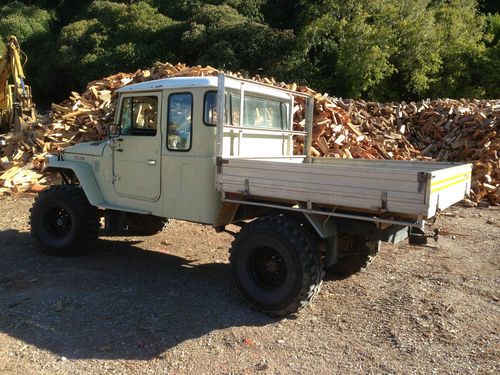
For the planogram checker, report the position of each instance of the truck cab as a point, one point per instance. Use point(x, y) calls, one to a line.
point(161, 160)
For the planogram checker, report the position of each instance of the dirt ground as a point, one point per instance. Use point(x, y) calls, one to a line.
point(166, 305)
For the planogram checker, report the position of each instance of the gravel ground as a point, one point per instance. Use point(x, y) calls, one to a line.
point(166, 305)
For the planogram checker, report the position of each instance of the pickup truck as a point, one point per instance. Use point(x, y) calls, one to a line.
point(219, 151)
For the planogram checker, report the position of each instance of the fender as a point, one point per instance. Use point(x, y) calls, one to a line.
point(84, 174)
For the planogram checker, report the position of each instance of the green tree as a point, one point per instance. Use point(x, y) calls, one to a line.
point(32, 27)
point(393, 49)
point(377, 49)
point(487, 70)
point(27, 23)
point(219, 35)
point(183, 9)
point(116, 37)
point(460, 30)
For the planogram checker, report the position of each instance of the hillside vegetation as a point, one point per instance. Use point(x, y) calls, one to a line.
point(373, 49)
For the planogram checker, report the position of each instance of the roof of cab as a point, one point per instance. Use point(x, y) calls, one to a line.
point(171, 83)
point(211, 82)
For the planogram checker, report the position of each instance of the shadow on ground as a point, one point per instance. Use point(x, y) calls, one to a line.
point(118, 302)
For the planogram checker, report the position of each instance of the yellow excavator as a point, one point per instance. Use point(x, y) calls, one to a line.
point(17, 110)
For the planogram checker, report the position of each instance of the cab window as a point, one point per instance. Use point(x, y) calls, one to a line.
point(210, 109)
point(262, 113)
point(235, 109)
point(180, 122)
point(139, 115)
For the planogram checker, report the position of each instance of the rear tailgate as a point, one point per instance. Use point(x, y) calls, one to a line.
point(448, 186)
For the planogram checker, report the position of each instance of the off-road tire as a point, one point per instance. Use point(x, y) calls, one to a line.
point(293, 254)
point(145, 225)
point(355, 257)
point(63, 222)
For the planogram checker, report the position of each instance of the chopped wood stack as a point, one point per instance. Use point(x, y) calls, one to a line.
point(337, 134)
point(442, 130)
point(431, 130)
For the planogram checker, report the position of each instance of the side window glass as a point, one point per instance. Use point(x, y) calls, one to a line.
point(179, 122)
point(235, 109)
point(126, 116)
point(262, 113)
point(139, 116)
point(210, 108)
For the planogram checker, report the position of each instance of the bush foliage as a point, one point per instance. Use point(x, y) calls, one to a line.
point(375, 49)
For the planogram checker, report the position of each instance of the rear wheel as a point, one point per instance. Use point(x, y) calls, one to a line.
point(63, 221)
point(276, 265)
point(355, 254)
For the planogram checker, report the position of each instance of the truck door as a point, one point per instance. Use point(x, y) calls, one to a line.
point(188, 163)
point(137, 152)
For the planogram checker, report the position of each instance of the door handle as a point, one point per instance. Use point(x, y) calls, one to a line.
point(151, 162)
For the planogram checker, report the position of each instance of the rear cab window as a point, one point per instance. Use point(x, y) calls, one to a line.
point(258, 112)
point(262, 113)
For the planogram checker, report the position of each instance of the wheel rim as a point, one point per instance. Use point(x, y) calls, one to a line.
point(268, 268)
point(57, 222)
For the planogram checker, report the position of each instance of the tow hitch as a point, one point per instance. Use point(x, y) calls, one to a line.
point(417, 236)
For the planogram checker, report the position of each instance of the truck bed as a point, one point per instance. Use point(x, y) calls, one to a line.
point(404, 188)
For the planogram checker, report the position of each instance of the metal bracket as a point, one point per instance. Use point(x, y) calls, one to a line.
point(218, 162)
point(383, 206)
point(327, 230)
point(422, 178)
point(417, 236)
point(247, 187)
point(325, 227)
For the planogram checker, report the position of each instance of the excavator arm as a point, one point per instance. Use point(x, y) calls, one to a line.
point(17, 110)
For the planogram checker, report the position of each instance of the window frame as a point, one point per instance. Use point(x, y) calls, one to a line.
point(135, 131)
point(231, 107)
point(192, 122)
point(226, 104)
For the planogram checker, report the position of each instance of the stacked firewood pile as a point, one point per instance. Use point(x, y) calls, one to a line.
point(442, 130)
point(431, 130)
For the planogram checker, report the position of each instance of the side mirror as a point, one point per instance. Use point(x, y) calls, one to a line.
point(114, 130)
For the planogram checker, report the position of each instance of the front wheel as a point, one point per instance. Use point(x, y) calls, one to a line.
point(63, 221)
point(276, 265)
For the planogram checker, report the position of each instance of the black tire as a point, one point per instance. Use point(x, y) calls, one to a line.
point(356, 253)
point(145, 225)
point(276, 265)
point(63, 221)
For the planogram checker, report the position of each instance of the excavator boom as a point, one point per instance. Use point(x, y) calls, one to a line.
point(17, 110)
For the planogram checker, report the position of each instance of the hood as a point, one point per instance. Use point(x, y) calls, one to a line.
point(87, 148)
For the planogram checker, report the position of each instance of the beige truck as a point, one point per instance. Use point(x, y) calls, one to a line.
point(219, 151)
